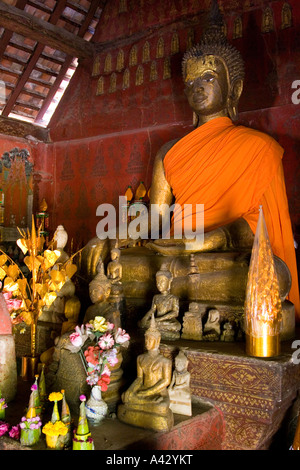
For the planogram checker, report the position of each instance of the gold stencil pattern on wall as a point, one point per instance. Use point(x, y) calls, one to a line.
point(286, 16)
point(237, 28)
point(96, 66)
point(126, 79)
point(120, 60)
point(139, 78)
point(146, 52)
point(267, 20)
point(133, 56)
point(153, 71)
point(160, 49)
point(175, 44)
point(107, 64)
point(113, 83)
point(100, 86)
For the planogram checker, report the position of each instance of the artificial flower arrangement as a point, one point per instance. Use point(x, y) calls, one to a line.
point(3, 405)
point(25, 298)
point(55, 428)
point(97, 343)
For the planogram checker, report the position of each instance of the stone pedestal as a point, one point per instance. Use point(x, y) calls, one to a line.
point(254, 394)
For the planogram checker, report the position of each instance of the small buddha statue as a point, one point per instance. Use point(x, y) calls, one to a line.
point(114, 275)
point(114, 267)
point(100, 290)
point(192, 323)
point(166, 307)
point(61, 238)
point(179, 388)
point(146, 402)
point(228, 333)
point(212, 327)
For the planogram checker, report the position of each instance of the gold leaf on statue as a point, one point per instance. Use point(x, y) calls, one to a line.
point(3, 259)
point(22, 243)
point(71, 270)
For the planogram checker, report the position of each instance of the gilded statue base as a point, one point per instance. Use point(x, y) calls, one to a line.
point(143, 419)
point(263, 346)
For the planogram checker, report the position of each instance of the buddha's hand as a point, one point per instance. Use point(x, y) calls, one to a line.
point(214, 240)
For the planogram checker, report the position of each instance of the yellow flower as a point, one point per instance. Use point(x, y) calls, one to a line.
point(55, 429)
point(99, 324)
point(55, 396)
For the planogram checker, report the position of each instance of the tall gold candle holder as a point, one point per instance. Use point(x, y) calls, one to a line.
point(263, 311)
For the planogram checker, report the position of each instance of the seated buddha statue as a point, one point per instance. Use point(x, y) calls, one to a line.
point(165, 307)
point(225, 168)
point(146, 402)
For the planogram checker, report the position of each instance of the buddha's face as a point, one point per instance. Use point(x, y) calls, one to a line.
point(151, 342)
point(163, 283)
point(206, 86)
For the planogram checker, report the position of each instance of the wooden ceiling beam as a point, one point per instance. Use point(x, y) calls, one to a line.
point(43, 32)
point(25, 130)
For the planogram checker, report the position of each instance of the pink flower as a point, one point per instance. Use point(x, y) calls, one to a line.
point(106, 341)
point(82, 398)
point(121, 336)
point(7, 295)
point(14, 433)
point(76, 339)
point(4, 427)
point(13, 304)
point(33, 387)
point(111, 357)
point(106, 371)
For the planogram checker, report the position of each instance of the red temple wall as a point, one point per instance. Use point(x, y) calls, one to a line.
point(105, 135)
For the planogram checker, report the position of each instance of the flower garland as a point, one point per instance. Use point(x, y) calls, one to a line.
point(102, 353)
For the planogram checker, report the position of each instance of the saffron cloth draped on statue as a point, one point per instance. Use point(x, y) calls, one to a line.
point(232, 170)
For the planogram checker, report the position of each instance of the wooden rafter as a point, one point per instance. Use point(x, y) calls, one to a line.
point(44, 32)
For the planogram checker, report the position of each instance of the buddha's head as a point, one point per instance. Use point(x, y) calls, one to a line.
point(181, 362)
point(213, 73)
point(152, 336)
point(115, 254)
point(163, 280)
point(72, 309)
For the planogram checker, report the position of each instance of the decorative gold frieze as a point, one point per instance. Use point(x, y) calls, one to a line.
point(267, 21)
point(133, 56)
point(126, 79)
point(107, 63)
point(160, 49)
point(120, 60)
point(237, 28)
point(100, 87)
point(139, 79)
point(146, 52)
point(286, 16)
point(175, 44)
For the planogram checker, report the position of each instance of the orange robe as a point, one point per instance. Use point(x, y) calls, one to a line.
point(233, 170)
